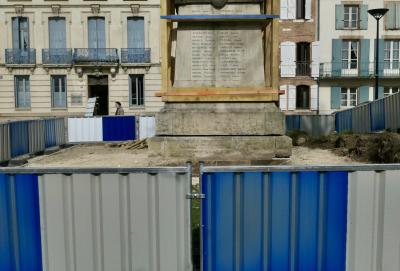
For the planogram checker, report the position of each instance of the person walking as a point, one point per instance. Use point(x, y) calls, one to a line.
point(120, 110)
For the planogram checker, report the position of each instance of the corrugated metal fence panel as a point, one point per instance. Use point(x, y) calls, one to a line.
point(85, 130)
point(36, 136)
point(19, 135)
point(374, 221)
point(292, 123)
point(344, 121)
point(274, 221)
point(361, 122)
point(377, 109)
point(135, 221)
point(60, 131)
point(318, 125)
point(147, 127)
point(119, 128)
point(392, 112)
point(5, 144)
point(20, 247)
point(50, 132)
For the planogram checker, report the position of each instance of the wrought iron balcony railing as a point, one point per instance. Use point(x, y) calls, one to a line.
point(57, 56)
point(303, 68)
point(135, 55)
point(96, 56)
point(21, 56)
point(358, 69)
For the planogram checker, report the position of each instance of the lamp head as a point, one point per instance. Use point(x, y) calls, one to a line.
point(378, 13)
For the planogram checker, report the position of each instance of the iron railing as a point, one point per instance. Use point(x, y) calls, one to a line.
point(59, 56)
point(303, 68)
point(96, 56)
point(135, 55)
point(20, 56)
point(361, 69)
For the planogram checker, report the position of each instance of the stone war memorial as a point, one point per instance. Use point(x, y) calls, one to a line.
point(220, 74)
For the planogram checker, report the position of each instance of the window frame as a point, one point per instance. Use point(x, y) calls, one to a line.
point(347, 92)
point(351, 10)
point(26, 82)
point(390, 91)
point(349, 60)
point(308, 89)
point(58, 77)
point(390, 62)
point(140, 99)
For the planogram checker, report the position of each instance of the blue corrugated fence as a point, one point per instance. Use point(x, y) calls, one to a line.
point(119, 128)
point(19, 137)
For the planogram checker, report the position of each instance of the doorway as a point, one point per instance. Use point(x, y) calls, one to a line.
point(98, 87)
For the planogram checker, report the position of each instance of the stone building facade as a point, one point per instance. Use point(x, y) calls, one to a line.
point(57, 54)
point(299, 52)
point(347, 40)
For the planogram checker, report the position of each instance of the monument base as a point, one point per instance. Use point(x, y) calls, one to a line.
point(220, 132)
point(221, 148)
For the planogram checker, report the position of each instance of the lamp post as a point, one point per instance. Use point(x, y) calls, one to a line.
point(377, 13)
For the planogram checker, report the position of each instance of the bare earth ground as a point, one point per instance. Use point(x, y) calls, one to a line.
point(102, 155)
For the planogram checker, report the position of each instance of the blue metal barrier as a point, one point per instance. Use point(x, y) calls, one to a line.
point(377, 110)
point(344, 121)
point(119, 128)
point(19, 137)
point(50, 133)
point(292, 123)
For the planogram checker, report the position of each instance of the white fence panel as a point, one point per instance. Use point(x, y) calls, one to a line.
point(85, 130)
point(147, 127)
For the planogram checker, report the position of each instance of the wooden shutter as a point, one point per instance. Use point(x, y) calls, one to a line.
point(364, 57)
point(288, 59)
point(339, 17)
point(335, 97)
point(284, 9)
point(337, 57)
point(57, 33)
point(314, 97)
point(292, 9)
point(283, 98)
point(308, 10)
point(364, 17)
point(136, 32)
point(315, 59)
point(364, 94)
point(291, 97)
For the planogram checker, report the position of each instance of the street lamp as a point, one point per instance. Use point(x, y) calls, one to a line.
point(377, 13)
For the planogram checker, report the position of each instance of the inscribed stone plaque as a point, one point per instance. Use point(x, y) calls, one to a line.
point(219, 54)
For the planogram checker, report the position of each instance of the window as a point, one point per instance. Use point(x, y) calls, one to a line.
point(350, 50)
point(57, 34)
point(22, 92)
point(135, 32)
point(20, 32)
point(390, 90)
point(303, 59)
point(96, 32)
point(351, 17)
point(300, 9)
point(302, 97)
point(348, 97)
point(392, 56)
point(392, 18)
point(59, 91)
point(136, 89)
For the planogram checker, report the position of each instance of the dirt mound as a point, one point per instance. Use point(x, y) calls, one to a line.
point(373, 148)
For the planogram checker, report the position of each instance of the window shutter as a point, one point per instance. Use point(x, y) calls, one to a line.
point(381, 56)
point(27, 93)
point(335, 97)
point(136, 32)
point(364, 57)
point(397, 16)
point(314, 97)
point(92, 33)
point(381, 92)
point(57, 33)
point(337, 57)
point(339, 17)
point(363, 17)
point(364, 94)
point(15, 32)
point(315, 59)
point(308, 10)
point(292, 97)
point(288, 59)
point(391, 16)
point(284, 9)
point(101, 33)
point(283, 98)
point(292, 9)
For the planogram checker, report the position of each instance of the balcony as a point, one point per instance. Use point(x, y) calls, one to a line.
point(95, 57)
point(303, 68)
point(57, 57)
point(135, 56)
point(360, 70)
point(21, 57)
